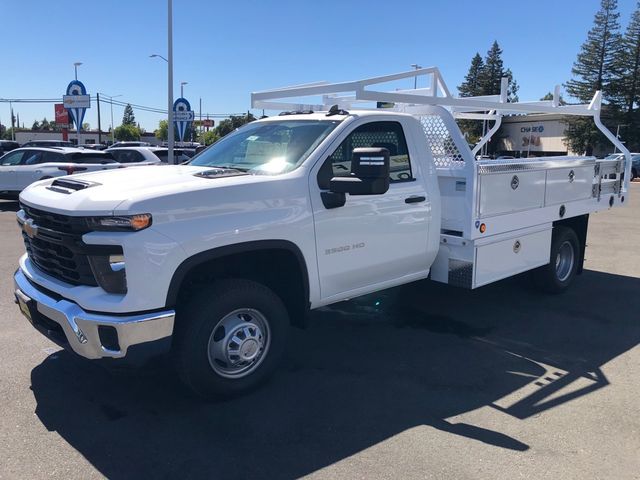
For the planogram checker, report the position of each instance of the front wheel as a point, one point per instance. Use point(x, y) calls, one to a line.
point(557, 275)
point(230, 337)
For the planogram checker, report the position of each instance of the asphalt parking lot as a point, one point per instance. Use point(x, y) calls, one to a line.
point(423, 381)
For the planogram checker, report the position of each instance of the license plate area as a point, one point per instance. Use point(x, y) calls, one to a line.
point(27, 305)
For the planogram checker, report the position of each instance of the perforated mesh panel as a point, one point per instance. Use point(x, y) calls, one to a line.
point(443, 148)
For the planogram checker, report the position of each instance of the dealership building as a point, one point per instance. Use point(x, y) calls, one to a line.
point(537, 135)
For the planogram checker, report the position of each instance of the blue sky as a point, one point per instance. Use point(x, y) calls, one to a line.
point(225, 50)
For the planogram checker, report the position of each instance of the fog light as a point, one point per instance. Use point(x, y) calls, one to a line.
point(110, 273)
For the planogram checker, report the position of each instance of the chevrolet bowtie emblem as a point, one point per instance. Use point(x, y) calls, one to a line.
point(30, 228)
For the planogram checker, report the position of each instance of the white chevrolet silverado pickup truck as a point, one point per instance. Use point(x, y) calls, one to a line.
point(213, 261)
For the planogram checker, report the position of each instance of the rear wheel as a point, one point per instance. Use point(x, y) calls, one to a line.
point(557, 275)
point(230, 338)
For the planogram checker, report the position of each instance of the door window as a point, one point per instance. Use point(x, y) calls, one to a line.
point(127, 156)
point(32, 157)
point(387, 135)
point(12, 158)
point(52, 157)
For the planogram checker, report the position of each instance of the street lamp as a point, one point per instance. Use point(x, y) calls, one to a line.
point(155, 55)
point(415, 79)
point(111, 97)
point(75, 68)
point(182, 84)
point(169, 60)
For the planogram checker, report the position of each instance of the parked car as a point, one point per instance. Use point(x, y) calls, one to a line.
point(130, 144)
point(136, 156)
point(181, 155)
point(23, 166)
point(635, 162)
point(94, 146)
point(7, 146)
point(48, 143)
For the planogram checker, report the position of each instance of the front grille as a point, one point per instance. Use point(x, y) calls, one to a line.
point(58, 249)
point(56, 222)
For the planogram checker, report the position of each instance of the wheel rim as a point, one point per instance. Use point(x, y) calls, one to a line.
point(564, 261)
point(239, 343)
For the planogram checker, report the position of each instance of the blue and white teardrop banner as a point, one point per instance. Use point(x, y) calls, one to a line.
point(182, 116)
point(76, 101)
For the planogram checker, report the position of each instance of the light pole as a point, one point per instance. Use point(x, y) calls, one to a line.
point(75, 68)
point(170, 129)
point(169, 60)
point(182, 84)
point(415, 79)
point(615, 147)
point(111, 97)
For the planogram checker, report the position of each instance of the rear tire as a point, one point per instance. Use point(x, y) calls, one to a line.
point(558, 274)
point(230, 338)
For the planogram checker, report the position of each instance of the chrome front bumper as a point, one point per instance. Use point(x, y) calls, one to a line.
point(87, 333)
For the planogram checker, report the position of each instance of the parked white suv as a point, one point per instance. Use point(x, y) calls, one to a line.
point(136, 156)
point(23, 166)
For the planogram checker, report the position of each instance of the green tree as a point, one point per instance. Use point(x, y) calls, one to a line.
point(209, 137)
point(127, 132)
point(86, 126)
point(228, 125)
point(161, 132)
point(36, 125)
point(471, 85)
point(594, 69)
point(492, 72)
point(626, 87)
point(485, 78)
point(128, 118)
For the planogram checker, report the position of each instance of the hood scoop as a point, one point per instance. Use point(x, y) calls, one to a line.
point(220, 172)
point(68, 186)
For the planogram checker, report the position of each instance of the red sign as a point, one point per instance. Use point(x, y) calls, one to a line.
point(62, 116)
point(204, 123)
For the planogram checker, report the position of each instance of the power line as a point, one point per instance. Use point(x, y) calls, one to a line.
point(120, 103)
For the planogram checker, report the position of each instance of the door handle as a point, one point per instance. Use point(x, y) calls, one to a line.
point(414, 199)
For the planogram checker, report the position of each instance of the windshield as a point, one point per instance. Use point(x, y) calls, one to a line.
point(267, 147)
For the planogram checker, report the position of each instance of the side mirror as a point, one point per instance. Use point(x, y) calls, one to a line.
point(369, 173)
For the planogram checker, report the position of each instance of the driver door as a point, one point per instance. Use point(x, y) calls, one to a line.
point(372, 240)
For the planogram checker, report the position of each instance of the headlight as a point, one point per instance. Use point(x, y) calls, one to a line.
point(126, 223)
point(110, 273)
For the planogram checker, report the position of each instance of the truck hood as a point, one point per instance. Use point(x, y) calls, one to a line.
point(107, 189)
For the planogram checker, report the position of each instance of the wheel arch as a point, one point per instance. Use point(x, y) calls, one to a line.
point(253, 260)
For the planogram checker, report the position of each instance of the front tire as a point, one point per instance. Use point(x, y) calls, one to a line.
point(558, 274)
point(230, 337)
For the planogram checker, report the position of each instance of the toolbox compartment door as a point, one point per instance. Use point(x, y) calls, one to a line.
point(569, 184)
point(510, 192)
point(512, 255)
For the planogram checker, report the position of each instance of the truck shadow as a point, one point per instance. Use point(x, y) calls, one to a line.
point(363, 372)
